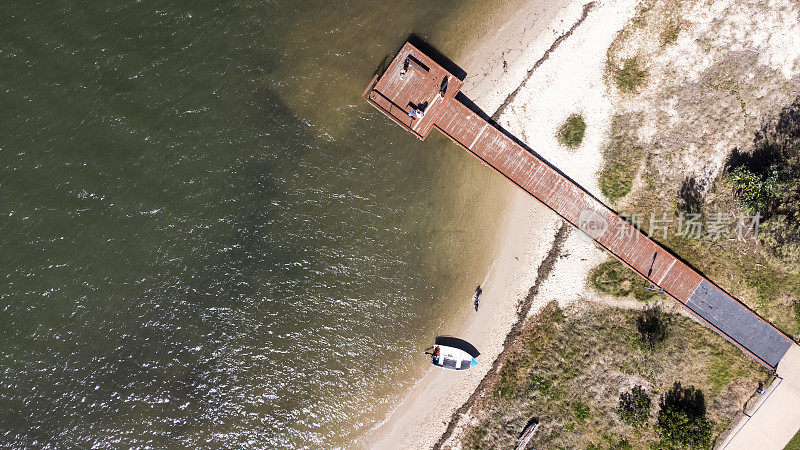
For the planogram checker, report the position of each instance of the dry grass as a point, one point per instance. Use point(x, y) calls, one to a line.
point(569, 368)
point(670, 33)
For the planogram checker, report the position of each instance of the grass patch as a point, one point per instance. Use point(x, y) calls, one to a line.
point(721, 372)
point(613, 278)
point(630, 76)
point(616, 180)
point(634, 407)
point(794, 444)
point(581, 411)
point(570, 374)
point(622, 157)
point(571, 132)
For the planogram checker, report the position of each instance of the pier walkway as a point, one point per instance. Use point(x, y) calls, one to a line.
point(414, 81)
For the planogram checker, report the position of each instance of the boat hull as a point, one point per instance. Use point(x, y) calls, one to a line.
point(452, 358)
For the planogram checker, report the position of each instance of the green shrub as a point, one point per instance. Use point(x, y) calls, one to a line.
point(630, 76)
point(682, 420)
point(757, 192)
point(571, 132)
point(634, 407)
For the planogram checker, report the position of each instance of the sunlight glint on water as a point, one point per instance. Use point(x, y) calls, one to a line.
point(208, 238)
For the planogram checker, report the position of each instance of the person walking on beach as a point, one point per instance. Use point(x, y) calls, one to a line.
point(476, 297)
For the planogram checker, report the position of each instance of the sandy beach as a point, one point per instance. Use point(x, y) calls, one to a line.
point(543, 64)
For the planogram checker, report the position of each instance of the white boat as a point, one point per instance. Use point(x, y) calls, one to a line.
point(452, 358)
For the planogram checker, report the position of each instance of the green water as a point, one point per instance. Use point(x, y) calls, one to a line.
point(206, 237)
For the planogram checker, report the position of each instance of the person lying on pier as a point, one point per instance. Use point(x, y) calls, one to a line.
point(444, 88)
point(416, 113)
point(405, 68)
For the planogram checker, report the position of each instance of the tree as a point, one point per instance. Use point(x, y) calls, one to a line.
point(767, 182)
point(682, 421)
point(757, 191)
point(634, 407)
point(652, 326)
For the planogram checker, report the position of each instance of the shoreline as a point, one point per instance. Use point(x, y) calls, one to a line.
point(535, 263)
point(526, 238)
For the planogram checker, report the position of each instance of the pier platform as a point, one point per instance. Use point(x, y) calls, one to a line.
point(419, 95)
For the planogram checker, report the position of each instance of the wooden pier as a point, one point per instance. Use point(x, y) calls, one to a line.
point(419, 94)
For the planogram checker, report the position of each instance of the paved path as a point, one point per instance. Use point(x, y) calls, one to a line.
point(776, 418)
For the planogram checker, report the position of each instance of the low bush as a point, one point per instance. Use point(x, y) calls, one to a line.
point(757, 192)
point(571, 132)
point(634, 407)
point(682, 420)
